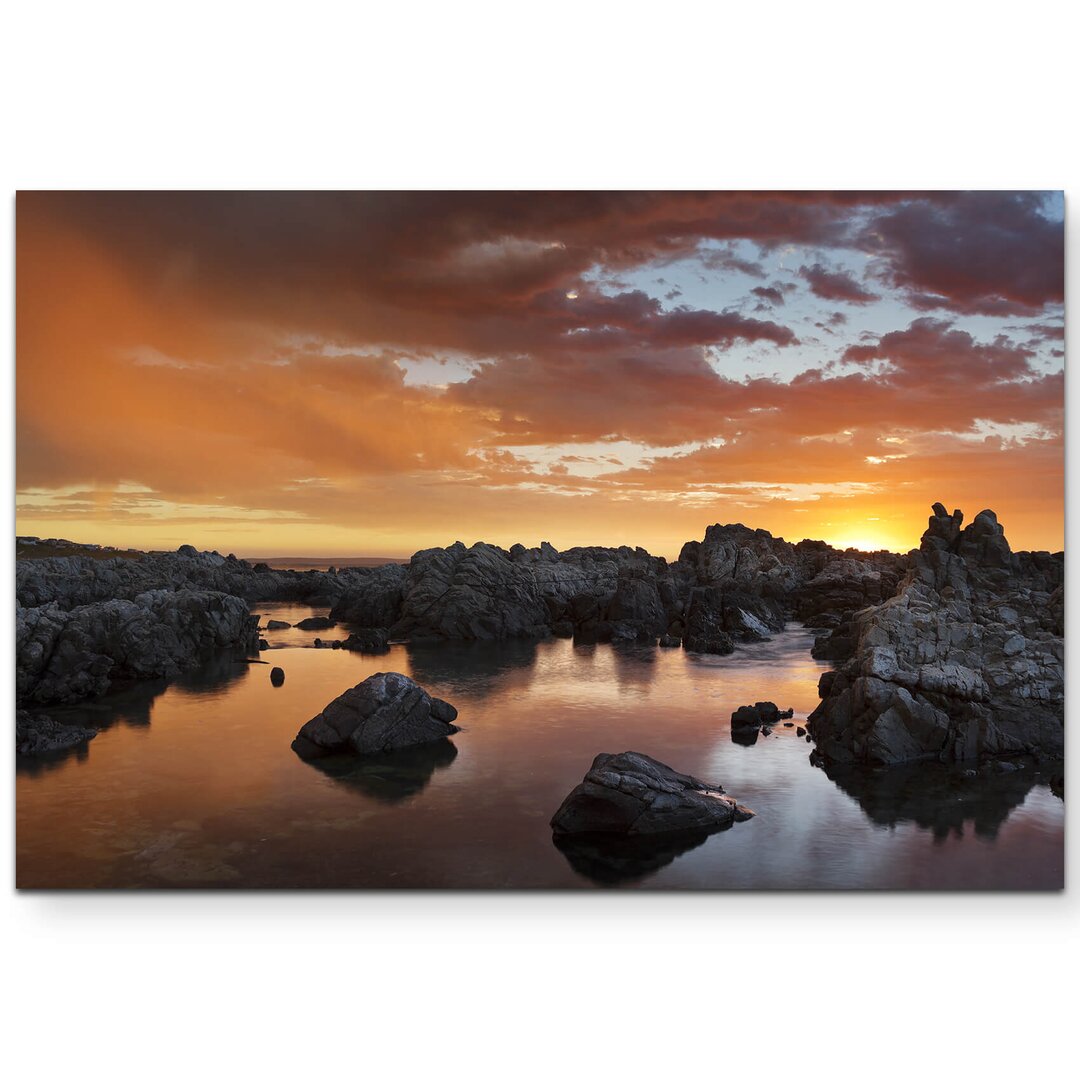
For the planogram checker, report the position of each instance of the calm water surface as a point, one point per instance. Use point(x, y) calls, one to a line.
point(194, 783)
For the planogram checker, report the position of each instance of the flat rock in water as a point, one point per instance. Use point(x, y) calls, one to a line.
point(387, 711)
point(633, 795)
point(316, 622)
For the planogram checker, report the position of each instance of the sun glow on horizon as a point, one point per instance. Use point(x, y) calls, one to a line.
point(389, 374)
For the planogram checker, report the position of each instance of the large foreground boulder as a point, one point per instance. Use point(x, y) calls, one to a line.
point(387, 711)
point(632, 795)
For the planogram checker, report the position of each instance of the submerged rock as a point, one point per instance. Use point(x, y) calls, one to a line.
point(387, 711)
point(633, 795)
point(316, 622)
point(277, 676)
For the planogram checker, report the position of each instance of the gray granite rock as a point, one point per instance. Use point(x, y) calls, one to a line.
point(633, 795)
point(387, 711)
point(37, 733)
point(66, 655)
point(965, 661)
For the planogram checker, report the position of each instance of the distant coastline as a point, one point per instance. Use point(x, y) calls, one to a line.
point(300, 562)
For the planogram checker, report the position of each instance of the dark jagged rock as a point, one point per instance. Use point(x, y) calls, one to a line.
point(365, 641)
point(705, 631)
point(487, 593)
point(278, 624)
point(632, 795)
point(761, 714)
point(75, 580)
point(387, 711)
point(848, 584)
point(66, 655)
point(373, 602)
point(964, 662)
point(36, 733)
point(484, 593)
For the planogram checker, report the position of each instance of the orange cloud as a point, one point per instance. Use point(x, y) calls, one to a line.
point(241, 371)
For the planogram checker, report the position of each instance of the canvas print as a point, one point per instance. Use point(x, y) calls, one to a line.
point(507, 540)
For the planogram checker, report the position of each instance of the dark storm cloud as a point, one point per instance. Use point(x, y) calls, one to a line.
point(986, 253)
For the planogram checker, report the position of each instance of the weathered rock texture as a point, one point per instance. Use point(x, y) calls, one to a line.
point(385, 712)
point(965, 661)
point(632, 795)
point(736, 585)
point(36, 733)
point(76, 580)
point(64, 655)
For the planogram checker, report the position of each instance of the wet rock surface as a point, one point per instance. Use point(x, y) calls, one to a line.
point(387, 711)
point(966, 661)
point(631, 795)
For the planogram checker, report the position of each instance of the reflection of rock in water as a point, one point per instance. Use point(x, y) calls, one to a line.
point(131, 705)
point(635, 665)
point(392, 777)
point(615, 860)
point(476, 664)
point(216, 674)
point(745, 736)
point(940, 798)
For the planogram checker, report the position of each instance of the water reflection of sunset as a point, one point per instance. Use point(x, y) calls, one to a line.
point(532, 716)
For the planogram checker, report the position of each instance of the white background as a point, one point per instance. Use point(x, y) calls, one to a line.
point(814, 95)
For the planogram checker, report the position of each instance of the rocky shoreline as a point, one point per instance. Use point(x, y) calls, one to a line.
point(965, 662)
point(953, 652)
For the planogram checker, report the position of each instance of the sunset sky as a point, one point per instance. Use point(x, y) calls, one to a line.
point(369, 373)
